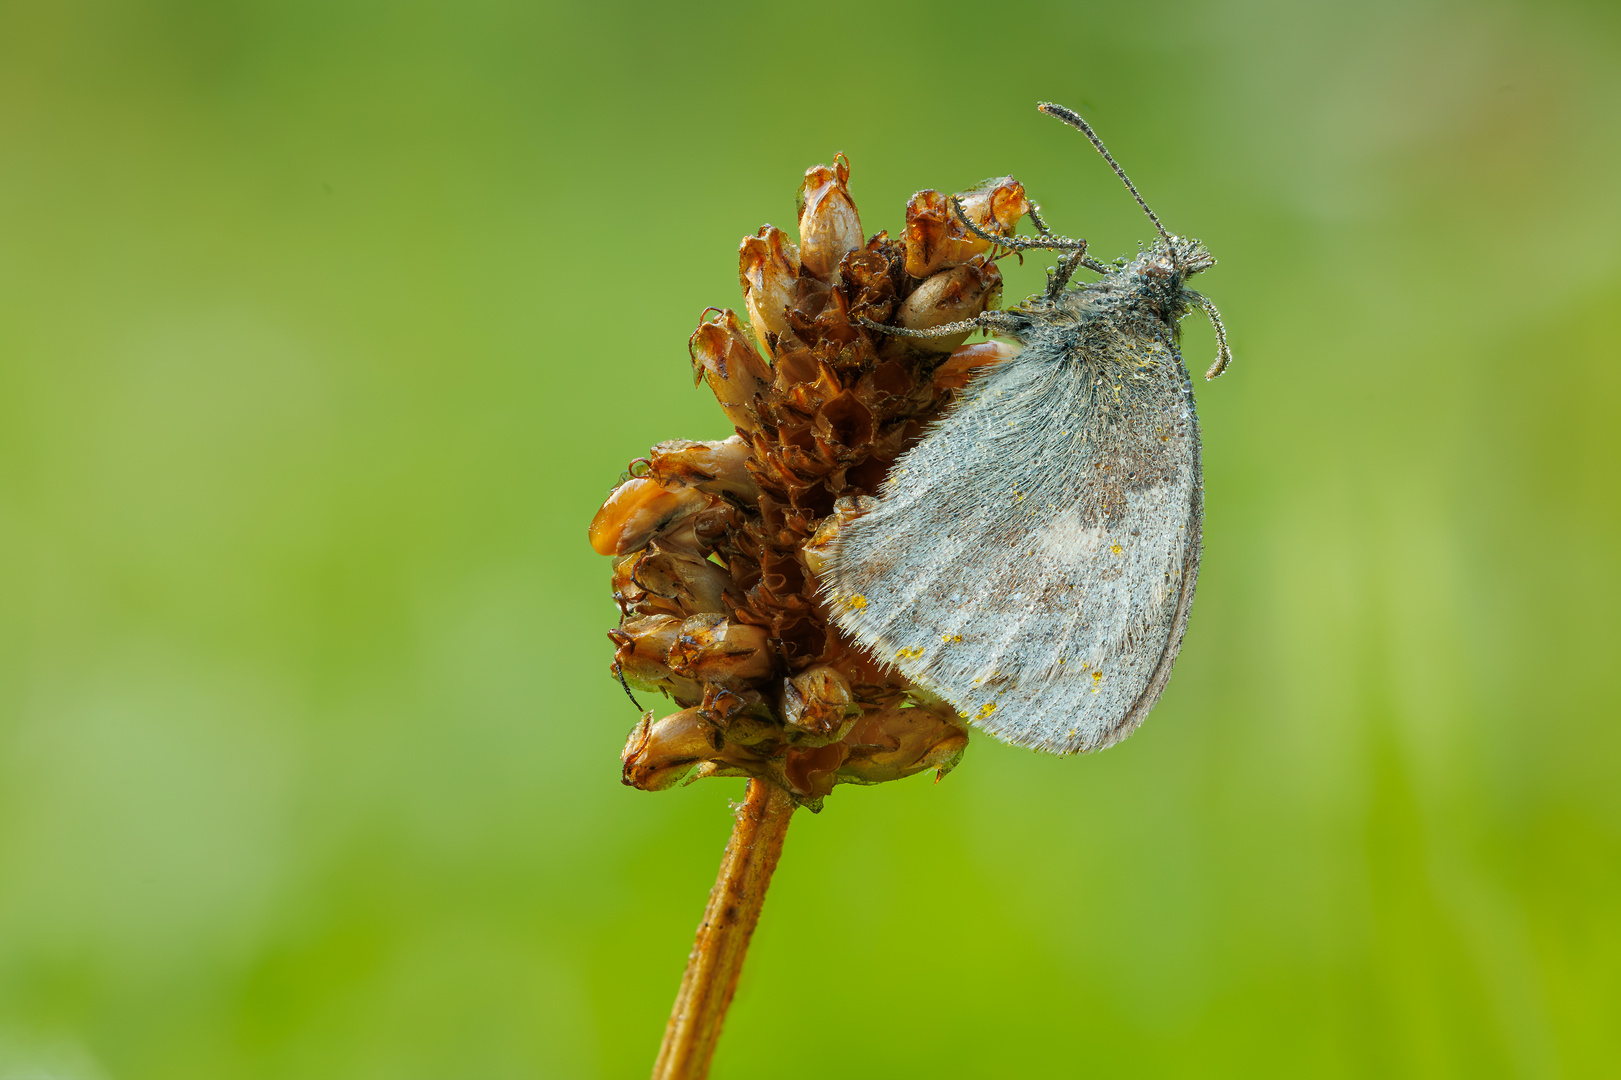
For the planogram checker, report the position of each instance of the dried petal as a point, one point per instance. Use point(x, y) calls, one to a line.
point(829, 227)
point(722, 354)
point(716, 649)
point(995, 205)
point(658, 755)
point(812, 771)
point(629, 595)
point(928, 220)
point(642, 655)
point(716, 467)
point(660, 581)
point(640, 508)
point(949, 296)
point(903, 738)
point(844, 420)
point(867, 277)
point(731, 709)
point(768, 268)
point(935, 239)
point(966, 360)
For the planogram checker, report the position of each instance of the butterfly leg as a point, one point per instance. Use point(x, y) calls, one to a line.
point(1058, 277)
point(1047, 241)
point(944, 330)
point(1000, 321)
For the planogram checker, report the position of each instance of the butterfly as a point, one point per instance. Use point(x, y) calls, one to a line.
point(1032, 560)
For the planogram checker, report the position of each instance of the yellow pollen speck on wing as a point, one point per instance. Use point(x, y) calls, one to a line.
point(1115, 548)
point(910, 654)
point(854, 603)
point(986, 710)
point(1097, 677)
point(950, 638)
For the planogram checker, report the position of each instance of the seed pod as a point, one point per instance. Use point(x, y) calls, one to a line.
point(658, 755)
point(829, 227)
point(716, 467)
point(715, 649)
point(708, 527)
point(928, 220)
point(935, 239)
point(731, 709)
point(657, 581)
point(640, 508)
point(949, 296)
point(768, 269)
point(722, 355)
point(902, 738)
point(629, 594)
point(642, 656)
point(818, 702)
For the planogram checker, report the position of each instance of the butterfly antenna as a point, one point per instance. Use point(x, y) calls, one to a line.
point(1073, 119)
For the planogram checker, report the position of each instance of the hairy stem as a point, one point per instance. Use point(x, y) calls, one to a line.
point(723, 936)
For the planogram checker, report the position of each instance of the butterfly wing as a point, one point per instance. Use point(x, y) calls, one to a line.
point(1033, 559)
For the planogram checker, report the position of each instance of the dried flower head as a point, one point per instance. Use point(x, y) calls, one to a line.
point(717, 546)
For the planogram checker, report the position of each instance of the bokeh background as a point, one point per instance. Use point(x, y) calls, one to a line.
point(325, 326)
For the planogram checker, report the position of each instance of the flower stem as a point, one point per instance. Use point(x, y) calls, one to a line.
point(723, 936)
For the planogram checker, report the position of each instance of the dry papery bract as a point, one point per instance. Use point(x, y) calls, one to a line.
point(716, 545)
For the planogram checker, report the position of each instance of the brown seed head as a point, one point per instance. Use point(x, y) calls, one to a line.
point(718, 544)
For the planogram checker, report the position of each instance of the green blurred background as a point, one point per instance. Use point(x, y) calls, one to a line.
point(324, 327)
